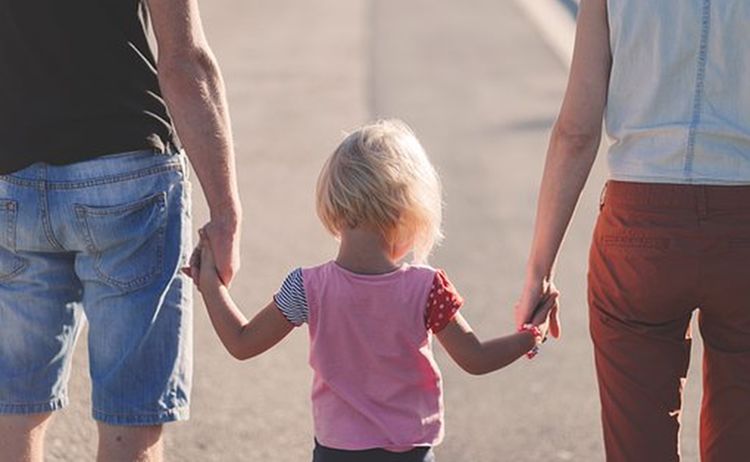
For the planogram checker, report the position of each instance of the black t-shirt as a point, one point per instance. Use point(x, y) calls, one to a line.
point(77, 81)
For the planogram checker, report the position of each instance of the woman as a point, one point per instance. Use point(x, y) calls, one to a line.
point(673, 234)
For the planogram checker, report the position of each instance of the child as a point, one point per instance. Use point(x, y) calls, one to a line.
point(377, 391)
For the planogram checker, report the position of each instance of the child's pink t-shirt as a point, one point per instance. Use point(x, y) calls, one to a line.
point(375, 383)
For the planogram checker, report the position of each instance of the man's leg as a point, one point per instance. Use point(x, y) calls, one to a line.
point(130, 444)
point(39, 324)
point(22, 436)
point(40, 319)
point(135, 236)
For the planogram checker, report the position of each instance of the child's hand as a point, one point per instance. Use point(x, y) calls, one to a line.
point(209, 274)
point(544, 311)
point(202, 268)
point(194, 265)
point(533, 294)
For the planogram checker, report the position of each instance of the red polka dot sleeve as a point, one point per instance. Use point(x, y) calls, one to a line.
point(442, 303)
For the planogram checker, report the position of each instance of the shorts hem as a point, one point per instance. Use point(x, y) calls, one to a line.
point(33, 408)
point(145, 419)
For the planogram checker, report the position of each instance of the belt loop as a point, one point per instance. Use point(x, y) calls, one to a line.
point(702, 200)
point(184, 163)
point(170, 147)
point(602, 196)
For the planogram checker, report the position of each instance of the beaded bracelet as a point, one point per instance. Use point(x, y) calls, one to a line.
point(538, 338)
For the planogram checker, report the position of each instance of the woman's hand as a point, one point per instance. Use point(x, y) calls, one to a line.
point(535, 293)
point(546, 313)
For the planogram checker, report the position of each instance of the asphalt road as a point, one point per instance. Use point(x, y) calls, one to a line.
point(481, 89)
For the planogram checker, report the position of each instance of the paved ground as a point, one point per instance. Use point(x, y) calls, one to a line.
point(481, 89)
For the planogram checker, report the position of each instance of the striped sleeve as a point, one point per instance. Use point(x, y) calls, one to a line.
point(291, 299)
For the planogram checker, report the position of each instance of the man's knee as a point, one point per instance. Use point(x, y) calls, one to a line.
point(129, 434)
point(130, 442)
point(22, 436)
point(18, 425)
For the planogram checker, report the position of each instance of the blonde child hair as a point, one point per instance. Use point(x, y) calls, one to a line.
point(380, 178)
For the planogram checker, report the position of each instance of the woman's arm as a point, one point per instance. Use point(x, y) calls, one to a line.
point(572, 149)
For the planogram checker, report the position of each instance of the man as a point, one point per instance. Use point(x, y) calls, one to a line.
point(94, 212)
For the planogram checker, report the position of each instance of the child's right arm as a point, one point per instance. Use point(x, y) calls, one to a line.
point(477, 357)
point(241, 338)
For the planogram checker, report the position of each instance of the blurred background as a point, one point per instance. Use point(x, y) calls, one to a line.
point(480, 81)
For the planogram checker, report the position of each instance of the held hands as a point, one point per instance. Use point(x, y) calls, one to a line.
point(539, 305)
point(542, 317)
point(221, 234)
point(540, 322)
point(203, 270)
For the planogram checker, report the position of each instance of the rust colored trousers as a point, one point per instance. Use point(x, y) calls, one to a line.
point(659, 253)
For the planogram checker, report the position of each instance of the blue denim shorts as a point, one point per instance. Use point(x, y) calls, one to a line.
point(103, 241)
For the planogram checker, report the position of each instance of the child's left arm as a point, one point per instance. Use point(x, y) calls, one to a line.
point(241, 338)
point(481, 357)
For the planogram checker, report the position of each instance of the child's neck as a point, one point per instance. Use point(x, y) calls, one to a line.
point(364, 251)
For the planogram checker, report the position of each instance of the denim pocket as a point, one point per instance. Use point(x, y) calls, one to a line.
point(126, 240)
point(10, 263)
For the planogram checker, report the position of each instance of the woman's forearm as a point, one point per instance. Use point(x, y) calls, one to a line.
point(569, 161)
point(575, 137)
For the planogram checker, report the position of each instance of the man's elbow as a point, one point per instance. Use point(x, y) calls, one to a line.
point(190, 64)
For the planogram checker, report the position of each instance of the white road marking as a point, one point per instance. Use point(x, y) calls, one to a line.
point(555, 23)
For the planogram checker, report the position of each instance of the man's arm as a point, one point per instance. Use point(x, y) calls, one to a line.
point(191, 81)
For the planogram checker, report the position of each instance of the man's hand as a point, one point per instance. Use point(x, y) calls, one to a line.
point(209, 276)
point(223, 235)
point(202, 269)
point(193, 87)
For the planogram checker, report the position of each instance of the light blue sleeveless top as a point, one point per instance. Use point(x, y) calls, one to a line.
point(678, 109)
